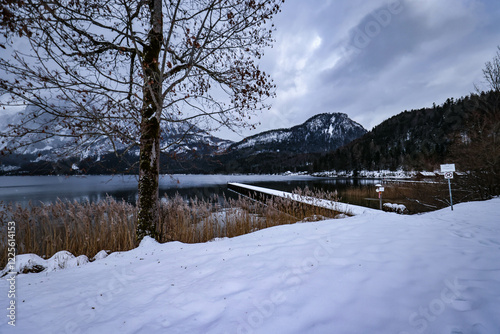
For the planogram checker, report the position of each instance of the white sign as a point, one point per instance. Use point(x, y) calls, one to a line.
point(379, 189)
point(448, 175)
point(447, 168)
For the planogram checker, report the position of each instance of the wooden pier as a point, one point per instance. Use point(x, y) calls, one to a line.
point(256, 192)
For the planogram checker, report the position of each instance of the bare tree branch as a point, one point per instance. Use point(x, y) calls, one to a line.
point(121, 71)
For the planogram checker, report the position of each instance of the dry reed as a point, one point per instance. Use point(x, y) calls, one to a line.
point(87, 228)
point(80, 228)
point(202, 220)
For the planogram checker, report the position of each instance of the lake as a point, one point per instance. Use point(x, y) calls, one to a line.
point(46, 189)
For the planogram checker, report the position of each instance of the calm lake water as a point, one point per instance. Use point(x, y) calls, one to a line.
point(46, 189)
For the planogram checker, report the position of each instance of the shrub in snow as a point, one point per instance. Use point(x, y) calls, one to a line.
point(31, 263)
point(147, 241)
point(392, 207)
point(101, 255)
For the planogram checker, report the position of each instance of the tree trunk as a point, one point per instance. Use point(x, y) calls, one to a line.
point(149, 163)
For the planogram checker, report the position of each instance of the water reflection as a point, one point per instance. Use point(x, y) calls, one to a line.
point(47, 189)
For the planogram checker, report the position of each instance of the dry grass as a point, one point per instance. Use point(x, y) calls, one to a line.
point(203, 220)
point(80, 228)
point(87, 228)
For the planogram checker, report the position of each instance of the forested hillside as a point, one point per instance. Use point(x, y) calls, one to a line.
point(414, 140)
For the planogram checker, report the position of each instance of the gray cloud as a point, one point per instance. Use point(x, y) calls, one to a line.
point(350, 56)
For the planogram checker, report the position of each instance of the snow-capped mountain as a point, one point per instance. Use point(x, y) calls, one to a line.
point(189, 149)
point(177, 138)
point(321, 133)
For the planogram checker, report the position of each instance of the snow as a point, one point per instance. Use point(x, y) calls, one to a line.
point(101, 255)
point(377, 272)
point(60, 260)
point(428, 173)
point(398, 174)
point(388, 174)
point(331, 130)
point(265, 137)
point(399, 208)
point(44, 149)
point(7, 168)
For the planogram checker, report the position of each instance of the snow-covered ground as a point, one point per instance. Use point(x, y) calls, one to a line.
point(380, 174)
point(376, 272)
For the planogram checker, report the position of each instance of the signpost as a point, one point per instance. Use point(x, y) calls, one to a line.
point(448, 175)
point(379, 189)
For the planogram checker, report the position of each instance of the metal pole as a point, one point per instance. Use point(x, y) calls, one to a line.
point(380, 198)
point(451, 199)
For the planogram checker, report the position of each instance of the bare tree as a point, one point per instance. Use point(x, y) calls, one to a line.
point(120, 69)
point(491, 72)
point(477, 147)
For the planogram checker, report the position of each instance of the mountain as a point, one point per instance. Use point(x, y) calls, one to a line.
point(177, 138)
point(198, 152)
point(321, 133)
point(292, 149)
point(181, 141)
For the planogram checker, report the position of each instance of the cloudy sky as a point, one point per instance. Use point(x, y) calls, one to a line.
point(372, 59)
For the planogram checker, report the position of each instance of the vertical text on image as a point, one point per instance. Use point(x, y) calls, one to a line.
point(11, 265)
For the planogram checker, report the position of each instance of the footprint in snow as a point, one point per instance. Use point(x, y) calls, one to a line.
point(464, 234)
point(493, 241)
point(476, 329)
point(489, 242)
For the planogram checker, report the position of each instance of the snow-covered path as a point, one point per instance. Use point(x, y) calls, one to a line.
point(437, 272)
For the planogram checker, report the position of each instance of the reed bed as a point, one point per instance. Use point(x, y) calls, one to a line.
point(203, 220)
point(80, 228)
point(87, 228)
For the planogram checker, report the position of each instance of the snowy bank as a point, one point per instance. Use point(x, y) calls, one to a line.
point(381, 272)
point(26, 263)
point(379, 174)
point(32, 263)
